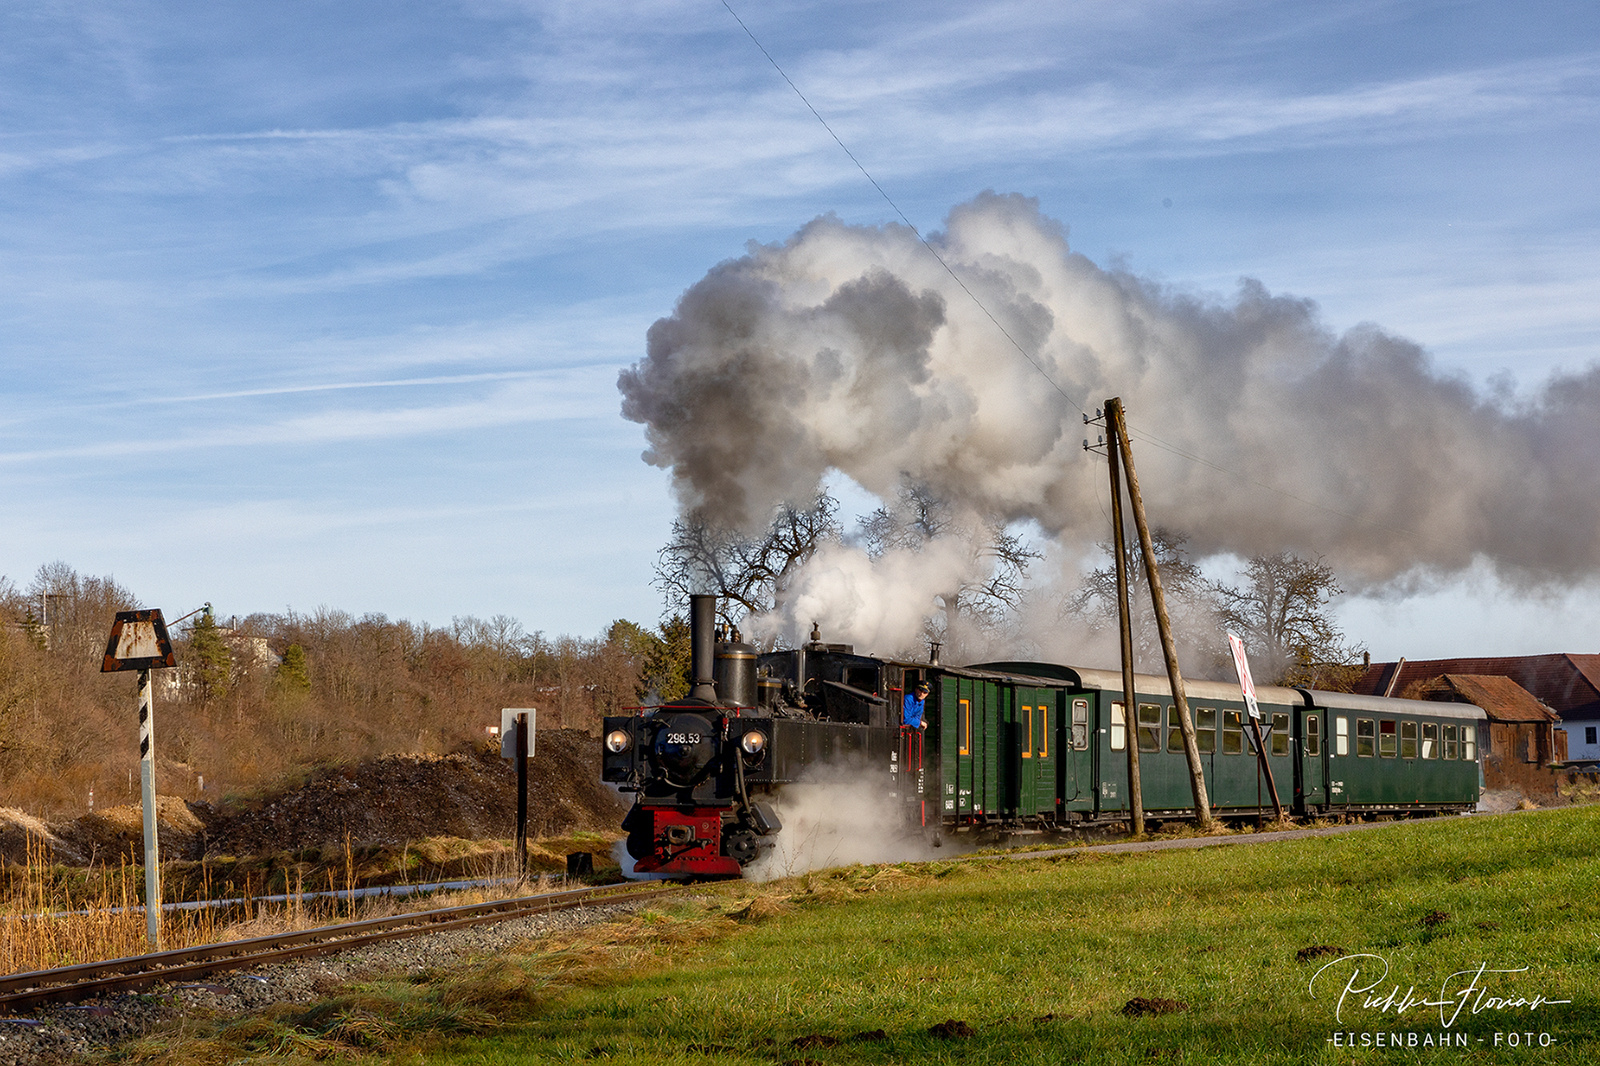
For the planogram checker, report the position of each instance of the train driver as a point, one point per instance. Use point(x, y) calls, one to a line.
point(911, 711)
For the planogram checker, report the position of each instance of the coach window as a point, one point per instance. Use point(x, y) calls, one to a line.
point(964, 726)
point(1430, 740)
point(1027, 744)
point(1452, 749)
point(1280, 734)
point(1119, 728)
point(1205, 729)
point(1408, 740)
point(1174, 731)
point(1232, 733)
point(1341, 735)
point(1313, 738)
point(1386, 738)
point(1080, 725)
point(1366, 738)
point(1469, 743)
point(1149, 727)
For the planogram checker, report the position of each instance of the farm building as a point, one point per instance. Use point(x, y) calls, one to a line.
point(1566, 683)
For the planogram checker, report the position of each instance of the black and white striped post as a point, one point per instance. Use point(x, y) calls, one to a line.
point(139, 642)
point(147, 796)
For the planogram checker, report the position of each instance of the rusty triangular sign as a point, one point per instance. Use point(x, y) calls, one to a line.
point(138, 641)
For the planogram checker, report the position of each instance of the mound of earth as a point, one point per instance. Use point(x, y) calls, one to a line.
point(395, 799)
point(392, 799)
point(117, 833)
point(24, 837)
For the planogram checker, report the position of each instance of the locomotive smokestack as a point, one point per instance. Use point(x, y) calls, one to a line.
point(702, 624)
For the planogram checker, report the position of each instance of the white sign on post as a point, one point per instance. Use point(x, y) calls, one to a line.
point(1242, 665)
point(508, 730)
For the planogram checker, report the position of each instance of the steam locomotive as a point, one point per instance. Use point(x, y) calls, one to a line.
point(1008, 746)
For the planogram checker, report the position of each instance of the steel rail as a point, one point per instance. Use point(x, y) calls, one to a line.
point(70, 983)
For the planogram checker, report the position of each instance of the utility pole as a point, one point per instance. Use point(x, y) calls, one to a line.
point(1130, 725)
point(1191, 750)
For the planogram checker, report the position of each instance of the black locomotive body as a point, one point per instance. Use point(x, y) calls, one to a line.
point(1014, 745)
point(703, 768)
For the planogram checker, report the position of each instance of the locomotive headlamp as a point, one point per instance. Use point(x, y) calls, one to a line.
point(753, 743)
point(617, 741)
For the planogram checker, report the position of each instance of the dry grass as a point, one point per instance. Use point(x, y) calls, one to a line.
point(53, 916)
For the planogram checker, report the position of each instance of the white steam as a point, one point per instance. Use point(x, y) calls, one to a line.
point(849, 348)
point(838, 816)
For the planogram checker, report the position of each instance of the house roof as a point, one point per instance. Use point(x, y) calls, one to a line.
point(1566, 682)
point(1502, 698)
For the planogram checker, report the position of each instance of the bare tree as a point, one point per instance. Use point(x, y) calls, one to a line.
point(916, 518)
point(750, 574)
point(1283, 613)
point(1191, 603)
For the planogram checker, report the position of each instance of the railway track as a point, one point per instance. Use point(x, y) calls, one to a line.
point(72, 983)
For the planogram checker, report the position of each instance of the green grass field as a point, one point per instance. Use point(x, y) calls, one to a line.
point(1037, 960)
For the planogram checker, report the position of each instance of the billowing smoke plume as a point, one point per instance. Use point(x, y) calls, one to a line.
point(850, 348)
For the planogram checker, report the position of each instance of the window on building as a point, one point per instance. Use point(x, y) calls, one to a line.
point(1119, 728)
point(1387, 736)
point(1430, 740)
point(1452, 747)
point(1408, 740)
point(1313, 735)
point(1280, 734)
point(1469, 743)
point(1205, 729)
point(1366, 737)
point(1588, 734)
point(1232, 733)
point(1341, 735)
point(1149, 727)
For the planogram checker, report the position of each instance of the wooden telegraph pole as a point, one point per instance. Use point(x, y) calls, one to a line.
point(1130, 723)
point(1191, 750)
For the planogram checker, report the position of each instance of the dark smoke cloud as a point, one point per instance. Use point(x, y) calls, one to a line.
point(850, 348)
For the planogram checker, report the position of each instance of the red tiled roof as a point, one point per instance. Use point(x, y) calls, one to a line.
point(1501, 697)
point(1568, 683)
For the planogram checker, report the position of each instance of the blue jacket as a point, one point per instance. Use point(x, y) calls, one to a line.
point(911, 710)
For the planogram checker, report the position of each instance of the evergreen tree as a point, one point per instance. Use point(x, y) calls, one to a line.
point(210, 660)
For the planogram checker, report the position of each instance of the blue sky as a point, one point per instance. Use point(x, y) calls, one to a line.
point(323, 303)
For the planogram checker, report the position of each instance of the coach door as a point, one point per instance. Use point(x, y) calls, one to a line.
point(1037, 721)
point(1311, 773)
